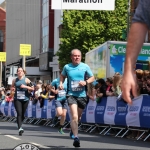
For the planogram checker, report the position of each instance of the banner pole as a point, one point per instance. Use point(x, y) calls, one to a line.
point(24, 62)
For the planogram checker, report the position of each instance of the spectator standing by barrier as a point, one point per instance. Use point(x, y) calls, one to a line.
point(146, 73)
point(21, 85)
point(100, 90)
point(109, 90)
point(37, 93)
point(76, 72)
point(91, 92)
point(139, 74)
point(137, 34)
point(10, 96)
point(117, 85)
point(2, 94)
point(45, 93)
point(60, 102)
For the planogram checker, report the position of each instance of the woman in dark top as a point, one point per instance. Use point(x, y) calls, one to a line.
point(101, 89)
point(21, 85)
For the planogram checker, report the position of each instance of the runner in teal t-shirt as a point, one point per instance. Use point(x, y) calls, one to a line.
point(60, 102)
point(21, 86)
point(79, 75)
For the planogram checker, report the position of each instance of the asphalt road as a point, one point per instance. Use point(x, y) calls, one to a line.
point(48, 138)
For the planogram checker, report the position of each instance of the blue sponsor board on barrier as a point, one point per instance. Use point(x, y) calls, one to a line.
point(106, 112)
point(6, 108)
point(2, 107)
point(34, 110)
point(44, 109)
point(122, 109)
point(12, 110)
point(53, 110)
point(100, 110)
point(145, 112)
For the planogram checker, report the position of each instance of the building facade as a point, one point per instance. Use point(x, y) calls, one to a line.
point(57, 25)
point(29, 22)
point(47, 37)
point(2, 43)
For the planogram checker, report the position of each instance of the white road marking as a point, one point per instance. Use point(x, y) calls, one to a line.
point(13, 137)
point(39, 145)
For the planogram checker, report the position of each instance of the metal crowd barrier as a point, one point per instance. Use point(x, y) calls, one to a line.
point(103, 129)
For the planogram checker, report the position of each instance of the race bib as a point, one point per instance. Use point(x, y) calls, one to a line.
point(75, 86)
point(61, 93)
point(20, 94)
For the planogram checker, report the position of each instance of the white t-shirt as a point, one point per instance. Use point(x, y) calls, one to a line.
point(38, 92)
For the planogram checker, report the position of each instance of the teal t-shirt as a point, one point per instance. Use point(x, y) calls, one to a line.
point(61, 93)
point(75, 74)
point(21, 93)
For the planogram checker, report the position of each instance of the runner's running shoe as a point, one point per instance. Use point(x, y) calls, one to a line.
point(71, 135)
point(61, 131)
point(76, 142)
point(21, 131)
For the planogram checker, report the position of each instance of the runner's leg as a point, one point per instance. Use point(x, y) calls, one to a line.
point(74, 121)
point(18, 107)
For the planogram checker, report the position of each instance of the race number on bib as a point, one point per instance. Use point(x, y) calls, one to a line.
point(61, 93)
point(75, 86)
point(20, 94)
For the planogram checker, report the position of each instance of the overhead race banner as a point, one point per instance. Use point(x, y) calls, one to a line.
point(83, 4)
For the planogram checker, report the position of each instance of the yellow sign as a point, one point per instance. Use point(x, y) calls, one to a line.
point(3, 56)
point(25, 49)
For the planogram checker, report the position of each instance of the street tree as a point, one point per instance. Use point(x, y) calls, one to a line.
point(86, 30)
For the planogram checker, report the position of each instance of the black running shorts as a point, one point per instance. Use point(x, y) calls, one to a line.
point(80, 101)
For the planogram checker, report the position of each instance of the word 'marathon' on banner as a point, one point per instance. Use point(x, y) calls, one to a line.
point(83, 4)
point(82, 1)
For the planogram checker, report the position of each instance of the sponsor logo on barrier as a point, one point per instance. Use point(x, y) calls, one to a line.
point(110, 113)
point(110, 108)
point(146, 115)
point(83, 112)
point(44, 108)
point(30, 106)
point(33, 106)
point(100, 108)
point(49, 107)
point(146, 109)
point(133, 114)
point(53, 107)
point(133, 108)
point(38, 107)
point(122, 114)
point(91, 107)
point(121, 109)
point(6, 107)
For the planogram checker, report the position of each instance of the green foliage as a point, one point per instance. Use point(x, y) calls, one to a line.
point(86, 30)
